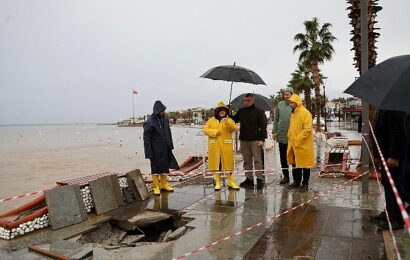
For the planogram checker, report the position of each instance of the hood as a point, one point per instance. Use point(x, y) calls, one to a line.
point(221, 105)
point(295, 99)
point(158, 107)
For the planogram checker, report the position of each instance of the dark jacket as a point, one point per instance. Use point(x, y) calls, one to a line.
point(390, 134)
point(158, 141)
point(253, 123)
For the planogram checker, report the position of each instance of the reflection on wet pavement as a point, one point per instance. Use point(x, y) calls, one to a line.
point(335, 226)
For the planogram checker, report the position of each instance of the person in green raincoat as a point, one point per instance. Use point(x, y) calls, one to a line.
point(219, 129)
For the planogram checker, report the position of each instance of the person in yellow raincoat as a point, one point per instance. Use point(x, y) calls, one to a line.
point(219, 129)
point(300, 151)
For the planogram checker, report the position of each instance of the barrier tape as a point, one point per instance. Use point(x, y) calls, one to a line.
point(220, 241)
point(395, 246)
point(23, 195)
point(174, 174)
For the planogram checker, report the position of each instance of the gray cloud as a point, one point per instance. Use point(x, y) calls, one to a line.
point(78, 61)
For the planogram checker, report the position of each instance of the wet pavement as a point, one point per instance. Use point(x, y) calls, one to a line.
point(335, 226)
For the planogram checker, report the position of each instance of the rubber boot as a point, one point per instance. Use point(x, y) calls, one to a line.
point(217, 178)
point(155, 181)
point(231, 181)
point(164, 183)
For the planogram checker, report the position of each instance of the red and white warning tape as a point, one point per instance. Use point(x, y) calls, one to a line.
point(220, 241)
point(23, 195)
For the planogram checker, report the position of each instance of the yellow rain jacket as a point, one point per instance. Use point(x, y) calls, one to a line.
point(300, 136)
point(220, 148)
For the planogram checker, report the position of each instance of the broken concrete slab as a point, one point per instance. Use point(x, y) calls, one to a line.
point(71, 249)
point(82, 253)
point(141, 220)
point(137, 184)
point(106, 193)
point(115, 238)
point(64, 247)
point(4, 256)
point(165, 239)
point(177, 233)
point(65, 206)
point(131, 240)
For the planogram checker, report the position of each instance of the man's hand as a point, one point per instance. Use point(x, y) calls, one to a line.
point(261, 143)
point(274, 136)
point(391, 162)
point(224, 120)
point(218, 133)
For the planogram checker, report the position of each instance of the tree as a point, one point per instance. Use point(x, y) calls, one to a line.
point(190, 115)
point(315, 46)
point(276, 99)
point(301, 82)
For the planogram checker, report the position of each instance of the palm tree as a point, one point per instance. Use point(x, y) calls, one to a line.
point(315, 46)
point(301, 82)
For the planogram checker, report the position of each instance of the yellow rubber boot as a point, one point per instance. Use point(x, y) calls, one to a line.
point(164, 183)
point(231, 181)
point(155, 181)
point(217, 178)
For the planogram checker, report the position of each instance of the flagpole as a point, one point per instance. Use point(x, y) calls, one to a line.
point(133, 107)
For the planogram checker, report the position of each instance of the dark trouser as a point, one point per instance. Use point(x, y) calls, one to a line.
point(283, 159)
point(391, 202)
point(297, 175)
point(251, 153)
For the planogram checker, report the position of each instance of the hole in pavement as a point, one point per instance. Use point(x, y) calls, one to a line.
point(113, 236)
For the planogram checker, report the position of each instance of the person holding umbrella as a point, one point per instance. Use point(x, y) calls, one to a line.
point(219, 129)
point(391, 136)
point(158, 147)
point(280, 131)
point(252, 137)
point(300, 151)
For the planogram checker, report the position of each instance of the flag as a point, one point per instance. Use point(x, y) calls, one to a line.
point(134, 92)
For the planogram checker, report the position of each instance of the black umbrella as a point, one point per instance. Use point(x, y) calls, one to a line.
point(261, 102)
point(386, 85)
point(233, 73)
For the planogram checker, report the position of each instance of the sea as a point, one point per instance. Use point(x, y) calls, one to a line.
point(35, 157)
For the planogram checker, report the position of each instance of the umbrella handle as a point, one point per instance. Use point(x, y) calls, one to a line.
point(230, 96)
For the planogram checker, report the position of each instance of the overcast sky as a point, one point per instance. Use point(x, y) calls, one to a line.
point(78, 61)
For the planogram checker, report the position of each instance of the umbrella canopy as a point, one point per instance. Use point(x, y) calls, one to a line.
point(386, 85)
point(261, 102)
point(233, 73)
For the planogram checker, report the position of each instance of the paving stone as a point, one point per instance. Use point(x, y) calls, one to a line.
point(106, 194)
point(65, 206)
point(137, 184)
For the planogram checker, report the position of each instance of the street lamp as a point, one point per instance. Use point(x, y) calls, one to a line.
point(324, 96)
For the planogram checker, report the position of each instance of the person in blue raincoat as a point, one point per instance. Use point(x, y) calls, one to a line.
point(158, 147)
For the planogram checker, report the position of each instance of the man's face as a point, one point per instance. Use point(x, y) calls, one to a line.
point(293, 105)
point(286, 95)
point(162, 114)
point(248, 101)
